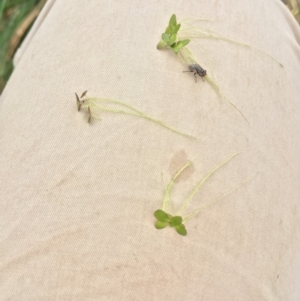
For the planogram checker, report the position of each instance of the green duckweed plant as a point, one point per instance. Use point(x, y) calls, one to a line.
point(178, 220)
point(178, 35)
point(170, 40)
point(95, 106)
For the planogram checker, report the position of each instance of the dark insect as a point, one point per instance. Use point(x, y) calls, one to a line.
point(197, 69)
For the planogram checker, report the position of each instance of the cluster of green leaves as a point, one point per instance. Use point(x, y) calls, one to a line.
point(169, 37)
point(164, 219)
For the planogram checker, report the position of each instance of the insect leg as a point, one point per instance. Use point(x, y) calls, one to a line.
point(195, 74)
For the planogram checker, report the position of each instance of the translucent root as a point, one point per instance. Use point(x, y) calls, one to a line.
point(186, 57)
point(194, 19)
point(201, 183)
point(197, 33)
point(217, 89)
point(194, 213)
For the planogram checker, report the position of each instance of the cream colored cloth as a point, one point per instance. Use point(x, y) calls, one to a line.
point(77, 199)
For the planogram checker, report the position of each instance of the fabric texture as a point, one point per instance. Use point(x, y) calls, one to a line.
point(77, 199)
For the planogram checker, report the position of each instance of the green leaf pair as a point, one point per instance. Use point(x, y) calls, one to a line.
point(164, 219)
point(169, 37)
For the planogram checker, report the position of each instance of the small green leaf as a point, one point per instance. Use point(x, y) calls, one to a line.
point(183, 43)
point(173, 29)
point(165, 37)
point(173, 26)
point(162, 216)
point(168, 30)
point(175, 221)
point(172, 21)
point(172, 38)
point(176, 28)
point(175, 49)
point(161, 45)
point(161, 225)
point(180, 229)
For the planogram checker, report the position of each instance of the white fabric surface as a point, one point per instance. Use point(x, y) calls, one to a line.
point(77, 199)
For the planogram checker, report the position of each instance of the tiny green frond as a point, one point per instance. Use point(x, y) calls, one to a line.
point(173, 27)
point(179, 45)
point(165, 37)
point(176, 28)
point(162, 216)
point(164, 219)
point(180, 229)
point(173, 38)
point(172, 21)
point(175, 49)
point(161, 45)
point(175, 221)
point(183, 43)
point(160, 225)
point(168, 30)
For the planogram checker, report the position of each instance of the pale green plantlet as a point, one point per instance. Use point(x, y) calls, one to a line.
point(165, 219)
point(95, 106)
